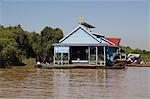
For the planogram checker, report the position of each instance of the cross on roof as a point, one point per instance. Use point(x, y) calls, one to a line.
point(81, 18)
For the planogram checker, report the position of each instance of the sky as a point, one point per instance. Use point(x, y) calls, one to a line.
point(127, 19)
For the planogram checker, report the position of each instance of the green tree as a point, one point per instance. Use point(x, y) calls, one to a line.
point(49, 36)
point(17, 44)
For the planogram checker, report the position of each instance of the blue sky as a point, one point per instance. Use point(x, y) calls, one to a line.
point(128, 19)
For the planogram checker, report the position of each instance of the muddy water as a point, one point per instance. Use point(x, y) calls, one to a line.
point(130, 83)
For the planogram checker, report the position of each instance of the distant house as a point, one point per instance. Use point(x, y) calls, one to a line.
point(81, 46)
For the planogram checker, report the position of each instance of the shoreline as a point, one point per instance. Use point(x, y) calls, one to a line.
point(79, 66)
point(138, 65)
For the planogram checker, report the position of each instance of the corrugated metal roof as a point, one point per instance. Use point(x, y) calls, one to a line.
point(71, 38)
point(79, 27)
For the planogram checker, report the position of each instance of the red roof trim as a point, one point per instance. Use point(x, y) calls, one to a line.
point(116, 41)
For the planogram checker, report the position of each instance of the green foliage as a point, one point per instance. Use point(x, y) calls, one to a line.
point(10, 55)
point(145, 55)
point(49, 36)
point(17, 44)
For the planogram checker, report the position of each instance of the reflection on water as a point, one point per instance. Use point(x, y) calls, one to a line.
point(131, 83)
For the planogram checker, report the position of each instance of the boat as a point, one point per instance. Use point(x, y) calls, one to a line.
point(49, 66)
point(117, 64)
point(138, 65)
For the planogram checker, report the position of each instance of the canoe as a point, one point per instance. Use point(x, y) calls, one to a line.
point(56, 67)
point(59, 67)
point(117, 64)
point(115, 67)
point(138, 65)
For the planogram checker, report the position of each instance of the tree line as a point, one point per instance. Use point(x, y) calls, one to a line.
point(144, 55)
point(17, 44)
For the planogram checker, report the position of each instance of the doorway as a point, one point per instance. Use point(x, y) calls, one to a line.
point(79, 53)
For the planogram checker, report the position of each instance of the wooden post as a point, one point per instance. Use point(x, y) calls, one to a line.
point(89, 54)
point(104, 56)
point(61, 58)
point(96, 55)
point(54, 56)
point(68, 55)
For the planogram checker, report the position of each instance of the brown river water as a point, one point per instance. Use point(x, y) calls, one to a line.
point(25, 83)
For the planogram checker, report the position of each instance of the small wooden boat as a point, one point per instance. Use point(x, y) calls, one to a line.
point(115, 67)
point(46, 66)
point(117, 64)
point(138, 65)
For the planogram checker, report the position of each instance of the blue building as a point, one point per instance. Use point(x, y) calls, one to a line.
point(81, 46)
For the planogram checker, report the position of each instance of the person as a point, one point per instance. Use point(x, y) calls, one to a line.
point(38, 63)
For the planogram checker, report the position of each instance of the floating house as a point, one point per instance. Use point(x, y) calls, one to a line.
point(82, 46)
